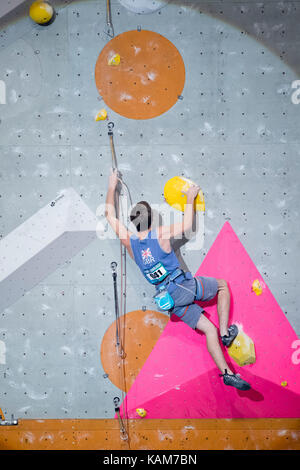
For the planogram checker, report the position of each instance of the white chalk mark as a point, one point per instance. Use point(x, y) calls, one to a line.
point(2, 352)
point(151, 75)
point(124, 96)
point(150, 318)
point(13, 97)
point(175, 158)
point(273, 228)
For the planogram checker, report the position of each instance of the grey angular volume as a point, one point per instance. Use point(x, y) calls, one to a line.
point(45, 241)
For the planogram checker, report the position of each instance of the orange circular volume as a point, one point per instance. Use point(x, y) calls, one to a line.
point(139, 332)
point(146, 80)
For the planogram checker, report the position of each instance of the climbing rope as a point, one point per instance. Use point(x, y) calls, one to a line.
point(113, 266)
point(124, 434)
point(120, 311)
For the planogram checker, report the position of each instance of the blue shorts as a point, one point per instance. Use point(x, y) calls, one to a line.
point(184, 296)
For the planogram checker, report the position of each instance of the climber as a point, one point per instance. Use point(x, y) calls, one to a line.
point(151, 249)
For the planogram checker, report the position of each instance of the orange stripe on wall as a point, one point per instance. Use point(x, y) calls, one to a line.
point(185, 434)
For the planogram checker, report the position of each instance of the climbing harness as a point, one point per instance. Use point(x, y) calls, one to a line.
point(163, 299)
point(109, 29)
point(189, 290)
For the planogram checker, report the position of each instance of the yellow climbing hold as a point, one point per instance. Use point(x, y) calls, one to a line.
point(242, 349)
point(284, 383)
point(176, 199)
point(114, 60)
point(102, 115)
point(41, 12)
point(141, 412)
point(256, 287)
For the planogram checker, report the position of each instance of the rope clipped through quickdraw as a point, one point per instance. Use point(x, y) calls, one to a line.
point(113, 266)
point(124, 435)
point(112, 146)
point(120, 350)
point(118, 207)
point(120, 312)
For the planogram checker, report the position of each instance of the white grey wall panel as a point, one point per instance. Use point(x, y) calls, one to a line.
point(43, 243)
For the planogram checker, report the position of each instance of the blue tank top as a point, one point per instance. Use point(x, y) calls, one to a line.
point(154, 263)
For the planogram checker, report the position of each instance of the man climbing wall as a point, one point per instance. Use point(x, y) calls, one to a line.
point(176, 290)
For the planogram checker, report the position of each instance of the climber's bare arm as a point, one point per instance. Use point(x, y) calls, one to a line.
point(110, 214)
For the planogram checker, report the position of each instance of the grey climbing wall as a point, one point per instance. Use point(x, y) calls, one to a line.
point(235, 132)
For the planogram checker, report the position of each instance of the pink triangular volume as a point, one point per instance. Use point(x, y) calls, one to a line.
point(180, 380)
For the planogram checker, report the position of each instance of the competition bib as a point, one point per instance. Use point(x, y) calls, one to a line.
point(156, 274)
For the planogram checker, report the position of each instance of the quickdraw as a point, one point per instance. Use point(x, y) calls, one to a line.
point(109, 29)
point(120, 311)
